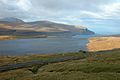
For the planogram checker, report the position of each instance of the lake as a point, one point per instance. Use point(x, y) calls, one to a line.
point(43, 45)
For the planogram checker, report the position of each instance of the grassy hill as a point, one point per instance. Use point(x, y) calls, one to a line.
point(102, 65)
point(17, 27)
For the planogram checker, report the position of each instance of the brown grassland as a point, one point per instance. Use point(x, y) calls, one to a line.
point(7, 37)
point(103, 43)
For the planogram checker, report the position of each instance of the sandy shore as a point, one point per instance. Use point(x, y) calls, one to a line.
point(103, 43)
point(7, 37)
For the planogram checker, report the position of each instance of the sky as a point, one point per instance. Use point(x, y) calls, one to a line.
point(100, 16)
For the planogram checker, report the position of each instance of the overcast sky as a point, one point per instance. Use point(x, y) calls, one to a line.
point(101, 16)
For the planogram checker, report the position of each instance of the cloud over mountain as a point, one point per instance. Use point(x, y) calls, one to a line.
point(96, 13)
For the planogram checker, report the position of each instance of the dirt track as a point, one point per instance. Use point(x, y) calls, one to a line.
point(36, 62)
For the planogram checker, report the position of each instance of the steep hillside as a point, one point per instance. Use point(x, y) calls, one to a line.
point(13, 26)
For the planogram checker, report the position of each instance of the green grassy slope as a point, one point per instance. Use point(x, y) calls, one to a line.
point(105, 66)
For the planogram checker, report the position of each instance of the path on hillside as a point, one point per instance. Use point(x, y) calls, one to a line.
point(36, 62)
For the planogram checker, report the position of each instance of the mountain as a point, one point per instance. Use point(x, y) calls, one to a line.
point(11, 20)
point(14, 26)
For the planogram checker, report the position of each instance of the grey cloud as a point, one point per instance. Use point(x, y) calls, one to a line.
point(85, 12)
point(51, 8)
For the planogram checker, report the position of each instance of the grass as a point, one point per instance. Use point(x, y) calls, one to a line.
point(13, 37)
point(103, 43)
point(99, 66)
point(7, 37)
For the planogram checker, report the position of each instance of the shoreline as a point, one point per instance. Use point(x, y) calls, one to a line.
point(7, 37)
point(103, 43)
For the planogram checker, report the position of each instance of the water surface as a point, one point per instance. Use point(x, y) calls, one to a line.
point(42, 45)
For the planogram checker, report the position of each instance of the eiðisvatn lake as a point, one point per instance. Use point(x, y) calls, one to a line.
point(42, 45)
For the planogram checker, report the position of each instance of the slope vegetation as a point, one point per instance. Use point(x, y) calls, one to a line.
point(102, 65)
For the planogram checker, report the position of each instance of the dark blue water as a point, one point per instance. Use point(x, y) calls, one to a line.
point(42, 45)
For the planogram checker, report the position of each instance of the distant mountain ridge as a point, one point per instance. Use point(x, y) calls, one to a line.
point(14, 26)
point(11, 20)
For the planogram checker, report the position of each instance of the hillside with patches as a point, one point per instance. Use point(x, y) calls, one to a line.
point(14, 26)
